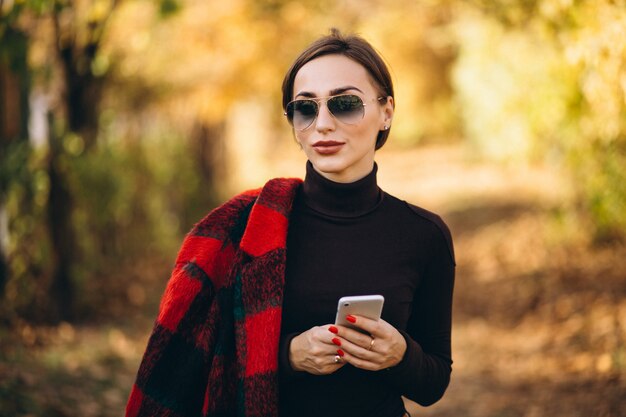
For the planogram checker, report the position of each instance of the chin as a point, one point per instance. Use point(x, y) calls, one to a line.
point(327, 166)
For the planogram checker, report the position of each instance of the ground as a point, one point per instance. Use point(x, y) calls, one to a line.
point(539, 313)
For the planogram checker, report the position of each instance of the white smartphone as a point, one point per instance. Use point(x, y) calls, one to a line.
point(370, 306)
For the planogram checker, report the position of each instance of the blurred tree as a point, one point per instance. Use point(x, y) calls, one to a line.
point(14, 89)
point(418, 43)
point(79, 27)
point(545, 79)
point(78, 31)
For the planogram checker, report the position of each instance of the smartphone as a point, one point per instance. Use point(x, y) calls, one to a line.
point(370, 306)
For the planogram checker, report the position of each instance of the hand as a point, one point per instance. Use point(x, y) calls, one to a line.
point(314, 351)
point(383, 348)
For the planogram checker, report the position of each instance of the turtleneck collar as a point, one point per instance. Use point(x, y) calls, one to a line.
point(340, 199)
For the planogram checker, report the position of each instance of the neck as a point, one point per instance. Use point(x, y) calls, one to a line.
point(341, 199)
point(347, 177)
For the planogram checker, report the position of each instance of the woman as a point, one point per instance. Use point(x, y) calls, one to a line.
point(246, 327)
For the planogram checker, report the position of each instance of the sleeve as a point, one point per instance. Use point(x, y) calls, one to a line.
point(173, 373)
point(424, 373)
point(284, 366)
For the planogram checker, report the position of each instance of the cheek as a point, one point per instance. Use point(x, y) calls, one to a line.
point(372, 121)
point(369, 131)
point(300, 137)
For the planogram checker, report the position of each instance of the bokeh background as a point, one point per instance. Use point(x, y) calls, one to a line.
point(122, 122)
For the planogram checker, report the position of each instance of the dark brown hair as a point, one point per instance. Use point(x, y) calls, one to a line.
point(353, 47)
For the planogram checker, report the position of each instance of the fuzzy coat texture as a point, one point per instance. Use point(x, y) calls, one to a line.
point(213, 351)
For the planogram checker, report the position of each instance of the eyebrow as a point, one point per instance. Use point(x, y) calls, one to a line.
point(333, 92)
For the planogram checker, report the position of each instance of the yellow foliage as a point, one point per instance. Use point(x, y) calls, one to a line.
point(551, 84)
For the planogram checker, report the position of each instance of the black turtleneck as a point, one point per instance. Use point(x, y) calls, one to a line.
point(355, 239)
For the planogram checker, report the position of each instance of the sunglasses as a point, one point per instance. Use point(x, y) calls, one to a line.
point(346, 108)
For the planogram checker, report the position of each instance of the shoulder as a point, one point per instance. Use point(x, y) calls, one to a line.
point(427, 221)
point(278, 194)
point(232, 215)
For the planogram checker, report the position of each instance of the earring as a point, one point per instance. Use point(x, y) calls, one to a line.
point(385, 127)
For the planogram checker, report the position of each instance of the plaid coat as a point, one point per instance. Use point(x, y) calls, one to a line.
point(214, 347)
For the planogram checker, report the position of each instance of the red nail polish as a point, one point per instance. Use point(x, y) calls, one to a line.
point(351, 318)
point(340, 352)
point(336, 341)
point(333, 329)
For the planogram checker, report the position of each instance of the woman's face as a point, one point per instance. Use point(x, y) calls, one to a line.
point(341, 152)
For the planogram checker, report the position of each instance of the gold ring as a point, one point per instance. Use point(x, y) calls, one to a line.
point(337, 359)
point(371, 344)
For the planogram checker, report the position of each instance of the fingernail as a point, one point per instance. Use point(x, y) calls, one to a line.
point(340, 352)
point(333, 329)
point(336, 341)
point(351, 318)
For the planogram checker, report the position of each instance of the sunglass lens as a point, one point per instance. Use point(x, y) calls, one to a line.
point(347, 108)
point(301, 113)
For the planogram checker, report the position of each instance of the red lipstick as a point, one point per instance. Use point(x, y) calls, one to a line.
point(327, 147)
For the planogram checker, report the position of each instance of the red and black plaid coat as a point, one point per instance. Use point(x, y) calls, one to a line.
point(214, 347)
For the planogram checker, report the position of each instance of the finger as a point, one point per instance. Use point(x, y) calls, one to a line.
point(321, 349)
point(358, 351)
point(372, 327)
point(327, 335)
point(356, 337)
point(359, 362)
point(336, 361)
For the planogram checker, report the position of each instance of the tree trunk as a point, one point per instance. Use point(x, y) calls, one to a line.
point(83, 93)
point(59, 210)
point(14, 89)
point(207, 144)
point(208, 147)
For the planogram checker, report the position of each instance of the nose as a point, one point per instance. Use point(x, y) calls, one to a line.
point(325, 121)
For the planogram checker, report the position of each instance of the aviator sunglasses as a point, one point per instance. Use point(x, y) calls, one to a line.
point(346, 108)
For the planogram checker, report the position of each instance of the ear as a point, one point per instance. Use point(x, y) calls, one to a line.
point(387, 113)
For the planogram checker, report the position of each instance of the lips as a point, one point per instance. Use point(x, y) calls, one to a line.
point(327, 147)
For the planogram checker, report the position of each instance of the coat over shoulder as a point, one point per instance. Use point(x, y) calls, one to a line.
point(213, 350)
